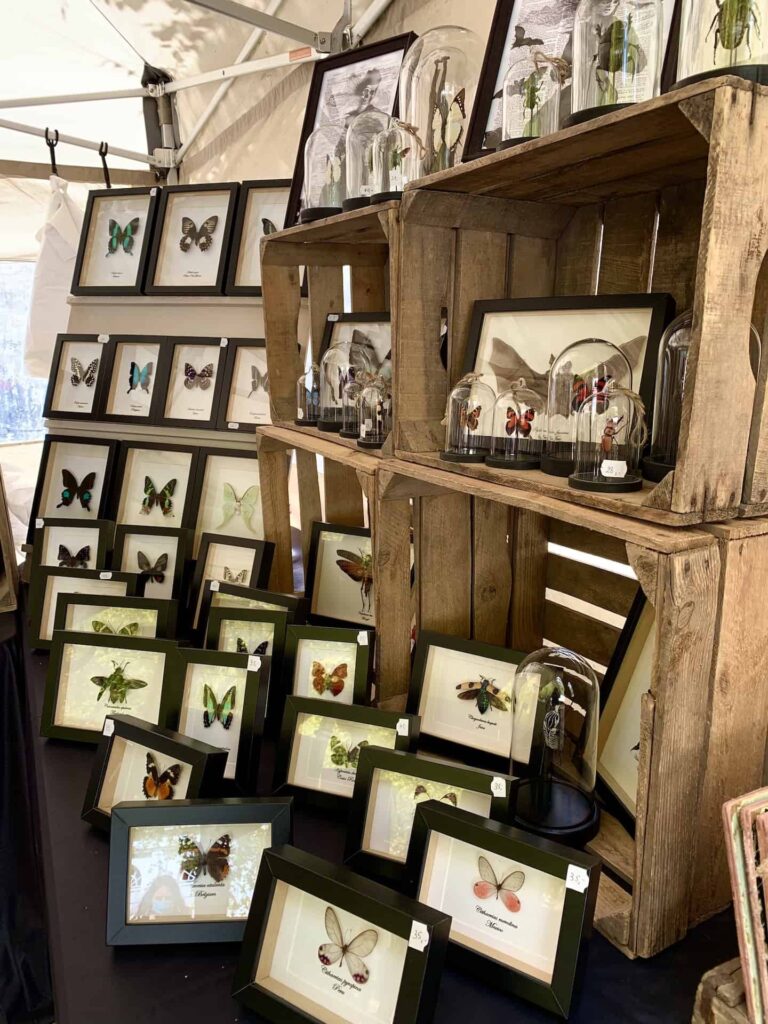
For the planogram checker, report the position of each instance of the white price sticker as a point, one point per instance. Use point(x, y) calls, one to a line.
point(498, 786)
point(362, 638)
point(366, 190)
point(254, 663)
point(577, 878)
point(614, 468)
point(109, 727)
point(299, 414)
point(102, 339)
point(333, 317)
point(39, 524)
point(105, 575)
point(224, 342)
point(403, 727)
point(233, 426)
point(214, 584)
point(419, 938)
point(153, 191)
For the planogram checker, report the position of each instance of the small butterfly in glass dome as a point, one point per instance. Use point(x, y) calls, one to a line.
point(484, 694)
point(506, 890)
point(522, 425)
point(350, 952)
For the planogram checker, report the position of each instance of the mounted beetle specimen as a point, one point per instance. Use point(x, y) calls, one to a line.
point(733, 23)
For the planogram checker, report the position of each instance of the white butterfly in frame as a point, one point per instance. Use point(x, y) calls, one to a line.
point(351, 952)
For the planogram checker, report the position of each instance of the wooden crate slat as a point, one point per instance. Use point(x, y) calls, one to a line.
point(481, 269)
point(569, 535)
point(677, 242)
point(530, 533)
point(273, 475)
point(628, 241)
point(578, 253)
point(491, 571)
point(310, 505)
point(326, 296)
point(616, 847)
point(391, 532)
point(755, 493)
point(613, 912)
point(358, 225)
point(532, 266)
point(598, 587)
point(369, 289)
point(444, 569)
point(568, 628)
point(282, 302)
point(343, 498)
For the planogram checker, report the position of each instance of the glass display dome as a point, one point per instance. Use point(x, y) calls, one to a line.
point(530, 103)
point(308, 397)
point(361, 136)
point(518, 429)
point(469, 421)
point(375, 414)
point(581, 369)
point(350, 409)
point(438, 79)
point(391, 150)
point(554, 746)
point(720, 37)
point(340, 365)
point(325, 184)
point(610, 437)
point(617, 55)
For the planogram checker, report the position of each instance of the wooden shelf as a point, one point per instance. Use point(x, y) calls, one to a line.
point(362, 226)
point(329, 438)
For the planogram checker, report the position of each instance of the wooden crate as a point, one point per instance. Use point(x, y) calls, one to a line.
point(484, 569)
point(669, 195)
point(350, 485)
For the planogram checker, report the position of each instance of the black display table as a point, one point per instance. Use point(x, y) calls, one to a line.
point(94, 984)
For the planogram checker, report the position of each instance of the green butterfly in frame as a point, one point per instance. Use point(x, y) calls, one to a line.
point(161, 498)
point(343, 756)
point(223, 709)
point(129, 629)
point(245, 506)
point(122, 238)
point(117, 683)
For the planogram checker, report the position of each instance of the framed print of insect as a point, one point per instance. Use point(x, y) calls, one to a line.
point(190, 246)
point(221, 698)
point(74, 386)
point(114, 241)
point(144, 617)
point(73, 480)
point(195, 382)
point(136, 373)
point(49, 583)
point(355, 932)
point(260, 211)
point(389, 784)
point(158, 554)
point(237, 561)
point(138, 761)
point(537, 897)
point(66, 545)
point(156, 482)
point(462, 689)
point(320, 745)
point(90, 677)
point(184, 871)
point(340, 582)
point(245, 392)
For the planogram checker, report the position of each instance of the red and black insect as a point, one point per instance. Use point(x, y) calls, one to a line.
point(522, 424)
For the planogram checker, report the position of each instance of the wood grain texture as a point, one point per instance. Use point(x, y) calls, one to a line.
point(686, 615)
point(273, 477)
point(591, 542)
point(616, 847)
point(578, 253)
point(530, 533)
point(491, 571)
point(589, 636)
point(589, 583)
point(480, 269)
point(756, 473)
point(612, 913)
point(677, 242)
point(532, 266)
point(369, 289)
point(391, 529)
point(357, 226)
point(343, 497)
point(481, 213)
point(720, 997)
point(282, 301)
point(310, 505)
point(444, 569)
point(326, 295)
point(628, 240)
point(645, 564)
point(644, 762)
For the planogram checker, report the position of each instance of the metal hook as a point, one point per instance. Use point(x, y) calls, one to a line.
point(52, 143)
point(103, 150)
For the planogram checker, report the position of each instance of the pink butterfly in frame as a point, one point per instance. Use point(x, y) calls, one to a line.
point(351, 952)
point(506, 890)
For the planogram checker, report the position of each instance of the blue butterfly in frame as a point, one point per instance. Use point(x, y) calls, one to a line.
point(138, 377)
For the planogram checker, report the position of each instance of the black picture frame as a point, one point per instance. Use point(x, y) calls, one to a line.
point(104, 195)
point(168, 192)
point(405, 727)
point(240, 235)
point(333, 320)
point(206, 763)
point(577, 869)
point(294, 606)
point(261, 553)
point(165, 623)
point(321, 68)
point(104, 533)
point(477, 756)
point(91, 641)
point(389, 870)
point(180, 519)
point(186, 814)
point(219, 373)
point(224, 421)
point(100, 344)
point(279, 620)
point(660, 304)
point(50, 443)
point(252, 708)
point(159, 378)
point(178, 571)
point(38, 594)
point(317, 618)
point(345, 891)
point(204, 461)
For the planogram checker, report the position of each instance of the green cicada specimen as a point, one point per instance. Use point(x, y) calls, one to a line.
point(484, 694)
point(531, 90)
point(618, 53)
point(117, 683)
point(733, 23)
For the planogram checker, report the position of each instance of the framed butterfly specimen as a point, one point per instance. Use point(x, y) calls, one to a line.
point(73, 480)
point(183, 871)
point(115, 241)
point(321, 943)
point(484, 874)
point(463, 689)
point(245, 392)
point(139, 761)
point(232, 560)
point(158, 554)
point(67, 545)
point(228, 494)
point(339, 581)
point(49, 582)
point(190, 245)
point(248, 631)
point(320, 746)
point(136, 372)
point(145, 617)
point(195, 383)
point(156, 484)
point(389, 784)
point(74, 386)
point(331, 663)
point(260, 211)
point(232, 600)
point(221, 698)
point(97, 673)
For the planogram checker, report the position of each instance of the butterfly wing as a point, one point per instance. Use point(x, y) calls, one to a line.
point(89, 378)
point(360, 946)
point(192, 859)
point(514, 881)
point(438, 128)
point(217, 858)
point(84, 491)
point(488, 885)
point(69, 490)
point(210, 706)
point(77, 374)
point(509, 889)
point(228, 504)
point(143, 561)
point(134, 374)
point(318, 677)
point(330, 952)
point(167, 781)
point(454, 128)
point(267, 226)
point(150, 496)
point(336, 682)
point(204, 233)
point(114, 236)
point(255, 380)
point(150, 783)
point(164, 498)
point(339, 754)
point(226, 708)
point(101, 627)
point(205, 376)
point(65, 558)
point(241, 645)
point(129, 629)
point(82, 557)
point(129, 234)
point(158, 569)
point(144, 376)
point(351, 565)
point(249, 503)
point(188, 234)
point(101, 681)
point(262, 648)
point(190, 376)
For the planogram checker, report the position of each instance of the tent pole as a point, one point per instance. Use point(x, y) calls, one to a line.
point(76, 97)
point(319, 40)
point(367, 19)
point(73, 140)
point(249, 67)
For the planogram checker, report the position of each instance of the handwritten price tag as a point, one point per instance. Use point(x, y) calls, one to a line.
point(102, 339)
point(109, 727)
point(362, 638)
point(224, 342)
point(254, 663)
point(214, 584)
point(577, 878)
point(403, 727)
point(419, 938)
point(498, 786)
point(233, 426)
point(105, 575)
point(39, 524)
point(614, 468)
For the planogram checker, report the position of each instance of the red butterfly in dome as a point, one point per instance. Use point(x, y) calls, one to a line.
point(506, 890)
point(522, 424)
point(583, 389)
point(470, 418)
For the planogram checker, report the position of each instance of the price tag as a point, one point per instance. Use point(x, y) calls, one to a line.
point(254, 663)
point(396, 180)
point(39, 524)
point(224, 342)
point(102, 339)
point(403, 727)
point(153, 191)
point(366, 190)
point(214, 584)
point(577, 878)
point(498, 786)
point(299, 414)
point(362, 638)
point(109, 727)
point(419, 938)
point(333, 317)
point(105, 575)
point(233, 426)
point(614, 468)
